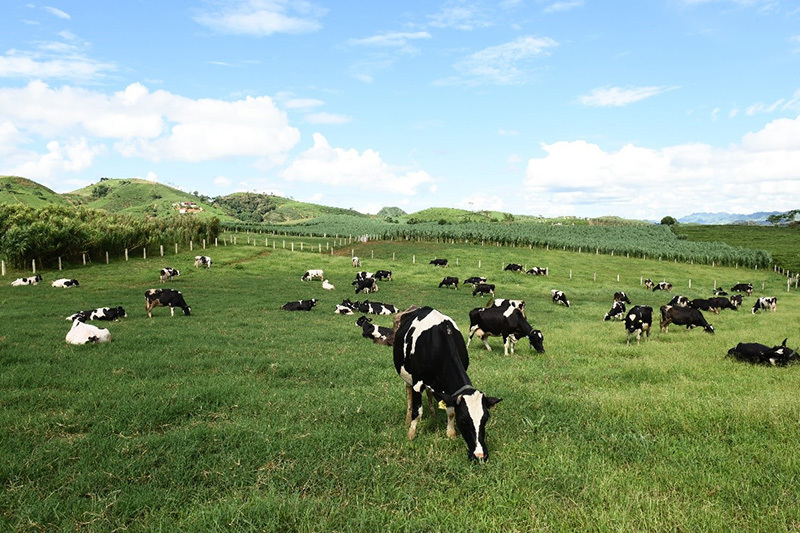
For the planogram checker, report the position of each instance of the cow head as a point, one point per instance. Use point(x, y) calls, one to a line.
point(363, 320)
point(709, 329)
point(537, 340)
point(472, 412)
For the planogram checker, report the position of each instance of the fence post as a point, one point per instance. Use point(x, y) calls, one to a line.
point(176, 248)
point(144, 253)
point(479, 264)
point(126, 254)
point(204, 243)
point(106, 256)
point(83, 256)
point(414, 259)
point(191, 245)
point(33, 265)
point(215, 242)
point(570, 273)
point(59, 262)
point(293, 247)
point(3, 267)
point(690, 283)
point(161, 249)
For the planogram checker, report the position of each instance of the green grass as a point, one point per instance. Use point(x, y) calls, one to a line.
point(245, 417)
point(16, 190)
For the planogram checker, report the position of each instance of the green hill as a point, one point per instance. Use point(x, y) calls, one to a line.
point(254, 207)
point(16, 190)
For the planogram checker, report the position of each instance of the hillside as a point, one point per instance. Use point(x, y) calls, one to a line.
point(16, 190)
point(255, 207)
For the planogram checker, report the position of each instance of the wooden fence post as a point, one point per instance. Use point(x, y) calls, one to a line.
point(59, 262)
point(83, 256)
point(3, 267)
point(204, 243)
point(161, 249)
point(106, 256)
point(33, 265)
point(176, 248)
point(191, 245)
point(144, 253)
point(126, 254)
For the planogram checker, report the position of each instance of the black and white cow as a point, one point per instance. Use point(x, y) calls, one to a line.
point(559, 297)
point(82, 333)
point(202, 260)
point(356, 261)
point(512, 326)
point(474, 280)
point(648, 283)
point(367, 285)
point(679, 301)
point(300, 305)
point(65, 283)
point(313, 274)
point(483, 289)
point(32, 280)
point(537, 271)
point(743, 287)
point(363, 275)
point(165, 297)
point(718, 303)
point(761, 354)
point(720, 292)
point(167, 273)
point(375, 308)
point(378, 334)
point(429, 353)
point(703, 304)
point(449, 281)
point(101, 313)
point(662, 286)
point(765, 302)
point(507, 305)
point(620, 296)
point(345, 308)
point(513, 267)
point(638, 320)
point(439, 262)
point(683, 316)
point(383, 275)
point(736, 300)
point(617, 310)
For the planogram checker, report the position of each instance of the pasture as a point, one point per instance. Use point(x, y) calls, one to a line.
point(246, 417)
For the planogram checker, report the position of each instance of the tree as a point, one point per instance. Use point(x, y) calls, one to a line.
point(668, 221)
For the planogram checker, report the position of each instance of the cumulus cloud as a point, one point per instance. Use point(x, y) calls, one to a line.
point(620, 96)
point(263, 17)
point(74, 155)
point(577, 177)
point(504, 64)
point(338, 167)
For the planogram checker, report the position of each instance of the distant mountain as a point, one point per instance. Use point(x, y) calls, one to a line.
point(759, 218)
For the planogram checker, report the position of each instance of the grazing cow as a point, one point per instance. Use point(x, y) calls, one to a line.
point(648, 283)
point(617, 310)
point(507, 305)
point(483, 289)
point(375, 308)
point(720, 292)
point(718, 303)
point(82, 333)
point(356, 262)
point(764, 303)
point(474, 280)
point(202, 260)
point(34, 280)
point(663, 286)
point(383, 275)
point(537, 271)
point(620, 296)
point(743, 287)
point(367, 285)
point(760, 354)
point(439, 262)
point(429, 352)
point(378, 334)
point(101, 313)
point(449, 281)
point(639, 320)
point(300, 305)
point(363, 275)
point(327, 285)
point(513, 267)
point(65, 283)
point(559, 297)
point(679, 301)
point(736, 300)
point(168, 273)
point(683, 316)
point(494, 321)
point(703, 304)
point(165, 297)
point(313, 274)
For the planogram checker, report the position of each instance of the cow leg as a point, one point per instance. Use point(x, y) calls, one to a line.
point(431, 403)
point(665, 326)
point(451, 418)
point(415, 408)
point(171, 311)
point(472, 331)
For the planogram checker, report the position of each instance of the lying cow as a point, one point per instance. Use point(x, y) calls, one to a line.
point(683, 316)
point(33, 280)
point(513, 267)
point(537, 271)
point(383, 275)
point(300, 305)
point(168, 273)
point(620, 296)
point(617, 310)
point(743, 287)
point(101, 313)
point(765, 302)
point(345, 308)
point(165, 297)
point(439, 262)
point(313, 274)
point(638, 320)
point(375, 308)
point(483, 289)
point(559, 297)
point(449, 281)
point(65, 283)
point(367, 285)
point(496, 322)
point(202, 260)
point(474, 280)
point(327, 285)
point(662, 286)
point(679, 301)
point(82, 333)
point(760, 354)
point(363, 275)
point(720, 292)
point(378, 334)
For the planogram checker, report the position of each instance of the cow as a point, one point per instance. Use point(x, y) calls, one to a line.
point(367, 285)
point(327, 285)
point(764, 303)
point(474, 280)
point(507, 305)
point(679, 301)
point(449, 281)
point(378, 334)
point(743, 287)
point(439, 262)
point(494, 321)
point(383, 275)
point(202, 260)
point(662, 286)
point(65, 283)
point(375, 308)
point(33, 280)
point(82, 333)
point(345, 308)
point(760, 354)
point(620, 296)
point(736, 300)
point(313, 274)
point(638, 320)
point(648, 283)
point(483, 289)
point(720, 292)
point(429, 353)
point(513, 267)
point(703, 304)
point(356, 261)
point(718, 303)
point(101, 313)
point(363, 275)
point(167, 273)
point(683, 316)
point(300, 305)
point(165, 297)
point(537, 271)
point(559, 297)
point(617, 310)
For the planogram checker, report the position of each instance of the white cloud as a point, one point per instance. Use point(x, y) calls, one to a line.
point(338, 167)
point(57, 61)
point(503, 64)
point(391, 39)
point(263, 17)
point(75, 155)
point(327, 118)
point(460, 16)
point(621, 96)
point(222, 181)
point(57, 12)
point(302, 103)
point(557, 7)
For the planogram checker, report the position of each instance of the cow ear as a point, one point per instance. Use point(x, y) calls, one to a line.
point(492, 401)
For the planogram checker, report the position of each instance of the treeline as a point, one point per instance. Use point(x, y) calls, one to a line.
point(45, 234)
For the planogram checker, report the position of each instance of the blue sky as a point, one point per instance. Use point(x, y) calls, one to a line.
point(539, 107)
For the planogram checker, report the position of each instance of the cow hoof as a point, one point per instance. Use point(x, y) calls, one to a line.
point(451, 433)
point(412, 433)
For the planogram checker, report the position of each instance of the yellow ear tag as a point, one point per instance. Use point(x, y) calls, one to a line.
point(442, 405)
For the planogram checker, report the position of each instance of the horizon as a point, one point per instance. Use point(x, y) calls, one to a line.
point(539, 107)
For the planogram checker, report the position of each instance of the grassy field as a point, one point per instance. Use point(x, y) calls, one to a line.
point(246, 417)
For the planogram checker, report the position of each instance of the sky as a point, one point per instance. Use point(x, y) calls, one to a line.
point(533, 107)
